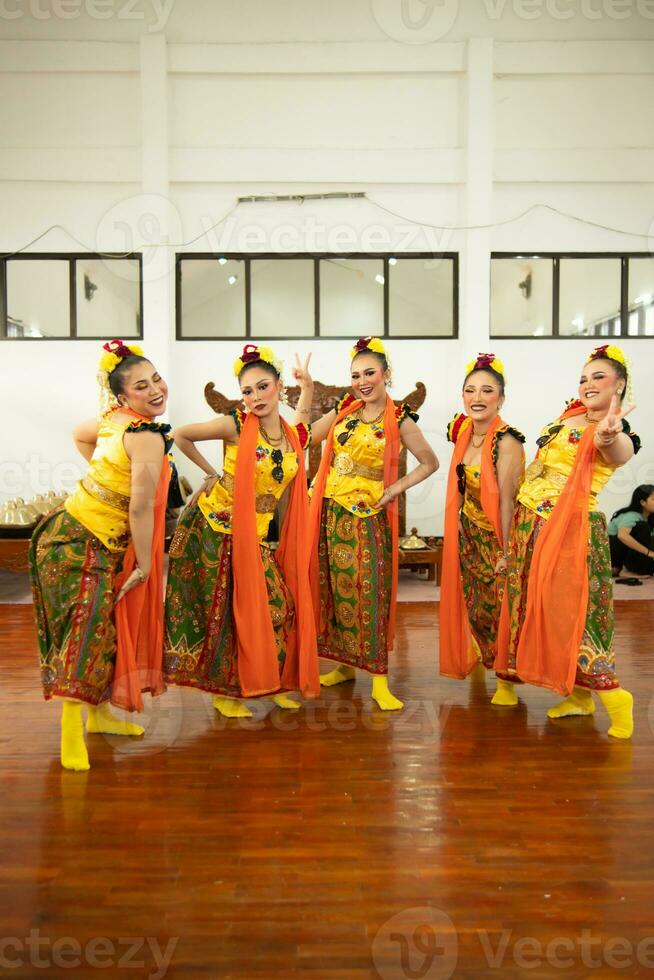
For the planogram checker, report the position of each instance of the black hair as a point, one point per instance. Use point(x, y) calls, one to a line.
point(496, 374)
point(620, 370)
point(119, 373)
point(264, 365)
point(380, 357)
point(640, 494)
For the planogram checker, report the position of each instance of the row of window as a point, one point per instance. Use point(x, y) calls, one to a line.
point(273, 296)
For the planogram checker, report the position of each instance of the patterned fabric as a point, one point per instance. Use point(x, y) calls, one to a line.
point(596, 659)
point(482, 588)
point(217, 505)
point(356, 476)
point(72, 576)
point(200, 648)
point(547, 475)
point(96, 501)
point(355, 588)
point(471, 506)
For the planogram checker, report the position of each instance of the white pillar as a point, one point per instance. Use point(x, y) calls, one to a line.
point(155, 214)
point(475, 306)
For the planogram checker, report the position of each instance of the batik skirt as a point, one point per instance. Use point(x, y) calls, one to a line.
point(73, 577)
point(482, 588)
point(596, 657)
point(200, 644)
point(355, 588)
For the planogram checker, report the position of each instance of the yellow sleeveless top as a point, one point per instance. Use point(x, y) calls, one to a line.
point(269, 483)
point(100, 502)
point(471, 505)
point(472, 498)
point(356, 475)
point(547, 475)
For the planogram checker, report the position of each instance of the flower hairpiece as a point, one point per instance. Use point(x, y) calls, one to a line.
point(252, 353)
point(373, 344)
point(609, 351)
point(116, 351)
point(483, 361)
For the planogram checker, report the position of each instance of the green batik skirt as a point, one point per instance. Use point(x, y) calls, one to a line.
point(596, 657)
point(73, 576)
point(355, 588)
point(200, 646)
point(482, 588)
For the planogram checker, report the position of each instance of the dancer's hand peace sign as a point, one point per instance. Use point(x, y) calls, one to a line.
point(301, 372)
point(611, 425)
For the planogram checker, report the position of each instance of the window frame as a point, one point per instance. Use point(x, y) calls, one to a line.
point(317, 257)
point(72, 258)
point(526, 253)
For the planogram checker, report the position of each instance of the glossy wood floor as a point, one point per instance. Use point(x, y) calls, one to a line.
point(453, 839)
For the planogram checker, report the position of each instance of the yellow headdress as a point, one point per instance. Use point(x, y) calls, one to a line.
point(613, 353)
point(373, 344)
point(483, 361)
point(113, 352)
point(609, 351)
point(252, 353)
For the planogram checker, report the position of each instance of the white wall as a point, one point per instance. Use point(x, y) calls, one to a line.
point(127, 136)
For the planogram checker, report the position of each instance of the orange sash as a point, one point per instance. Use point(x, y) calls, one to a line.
point(391, 461)
point(139, 616)
point(457, 650)
point(557, 592)
point(258, 666)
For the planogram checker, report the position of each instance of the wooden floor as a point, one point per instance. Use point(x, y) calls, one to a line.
point(453, 839)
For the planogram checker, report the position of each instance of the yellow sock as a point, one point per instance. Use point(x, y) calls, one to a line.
point(620, 706)
point(73, 748)
point(580, 702)
point(505, 694)
point(99, 719)
point(478, 673)
point(231, 707)
point(381, 694)
point(283, 701)
point(338, 675)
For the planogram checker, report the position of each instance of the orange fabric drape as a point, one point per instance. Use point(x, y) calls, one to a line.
point(557, 592)
point(391, 462)
point(258, 666)
point(457, 652)
point(139, 617)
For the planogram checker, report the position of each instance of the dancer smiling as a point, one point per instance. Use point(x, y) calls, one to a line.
point(109, 534)
point(486, 469)
point(239, 619)
point(354, 518)
point(559, 584)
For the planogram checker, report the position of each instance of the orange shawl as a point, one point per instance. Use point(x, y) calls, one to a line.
point(258, 665)
point(139, 616)
point(557, 593)
point(457, 651)
point(391, 460)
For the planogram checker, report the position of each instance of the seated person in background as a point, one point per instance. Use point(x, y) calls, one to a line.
point(630, 534)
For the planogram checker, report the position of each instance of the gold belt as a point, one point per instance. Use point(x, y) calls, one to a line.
point(537, 469)
point(118, 501)
point(345, 465)
point(264, 503)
